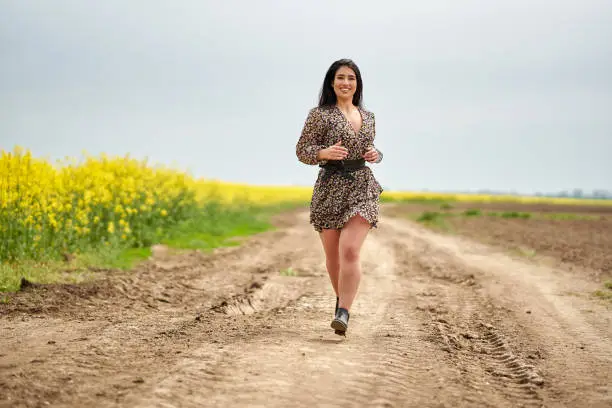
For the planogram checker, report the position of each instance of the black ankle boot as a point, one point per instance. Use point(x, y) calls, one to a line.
point(336, 311)
point(340, 322)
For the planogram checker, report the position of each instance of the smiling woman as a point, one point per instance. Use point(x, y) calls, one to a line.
point(339, 136)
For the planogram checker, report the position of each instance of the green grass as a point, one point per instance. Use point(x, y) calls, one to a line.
point(603, 294)
point(428, 216)
point(438, 219)
point(41, 272)
point(434, 219)
point(288, 272)
point(472, 212)
point(126, 258)
point(568, 216)
point(447, 209)
point(515, 214)
point(216, 227)
point(212, 227)
point(606, 292)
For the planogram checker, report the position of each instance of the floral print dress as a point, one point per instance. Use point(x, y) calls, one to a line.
point(335, 198)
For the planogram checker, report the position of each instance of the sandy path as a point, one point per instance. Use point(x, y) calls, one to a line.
point(439, 321)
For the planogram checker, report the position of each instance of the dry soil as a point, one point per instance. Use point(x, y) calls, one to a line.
point(440, 321)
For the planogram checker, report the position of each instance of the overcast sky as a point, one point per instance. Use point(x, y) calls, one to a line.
point(468, 95)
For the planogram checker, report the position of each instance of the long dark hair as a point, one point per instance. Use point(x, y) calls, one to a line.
point(327, 96)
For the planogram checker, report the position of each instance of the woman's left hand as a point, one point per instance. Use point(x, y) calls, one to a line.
point(371, 155)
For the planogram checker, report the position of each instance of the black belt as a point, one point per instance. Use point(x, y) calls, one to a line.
point(344, 167)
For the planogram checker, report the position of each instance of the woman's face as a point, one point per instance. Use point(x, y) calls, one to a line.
point(345, 83)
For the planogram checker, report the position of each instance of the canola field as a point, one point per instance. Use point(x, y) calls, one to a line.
point(68, 206)
point(47, 208)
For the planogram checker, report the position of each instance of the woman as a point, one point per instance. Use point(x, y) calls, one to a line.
point(338, 135)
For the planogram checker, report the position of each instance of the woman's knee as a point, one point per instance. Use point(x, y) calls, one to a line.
point(349, 253)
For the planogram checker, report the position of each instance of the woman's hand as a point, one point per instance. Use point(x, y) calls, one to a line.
point(371, 155)
point(333, 152)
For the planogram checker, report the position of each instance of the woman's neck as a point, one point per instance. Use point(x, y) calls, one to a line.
point(345, 105)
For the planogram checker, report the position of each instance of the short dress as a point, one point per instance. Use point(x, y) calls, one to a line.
point(335, 199)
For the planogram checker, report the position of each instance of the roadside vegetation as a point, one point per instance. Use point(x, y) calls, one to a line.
point(61, 222)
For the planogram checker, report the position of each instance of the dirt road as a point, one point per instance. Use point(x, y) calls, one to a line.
point(440, 321)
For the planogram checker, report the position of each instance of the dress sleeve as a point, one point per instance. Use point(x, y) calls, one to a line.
point(380, 154)
point(311, 139)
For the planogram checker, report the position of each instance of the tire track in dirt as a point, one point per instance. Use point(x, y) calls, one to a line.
point(507, 322)
point(386, 359)
point(59, 356)
point(438, 322)
point(460, 320)
point(301, 362)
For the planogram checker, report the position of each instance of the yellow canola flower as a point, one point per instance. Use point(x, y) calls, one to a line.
point(49, 203)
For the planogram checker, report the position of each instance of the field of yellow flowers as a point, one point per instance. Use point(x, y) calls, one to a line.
point(47, 209)
point(51, 208)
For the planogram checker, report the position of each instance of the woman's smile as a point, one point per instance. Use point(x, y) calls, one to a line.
point(345, 82)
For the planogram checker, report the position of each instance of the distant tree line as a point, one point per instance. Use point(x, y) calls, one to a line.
point(579, 193)
point(575, 193)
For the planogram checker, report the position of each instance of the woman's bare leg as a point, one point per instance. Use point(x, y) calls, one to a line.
point(352, 237)
point(330, 240)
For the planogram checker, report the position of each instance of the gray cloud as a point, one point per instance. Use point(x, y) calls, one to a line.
point(467, 95)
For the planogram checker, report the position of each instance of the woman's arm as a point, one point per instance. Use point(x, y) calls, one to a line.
point(369, 155)
point(311, 139)
point(380, 155)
